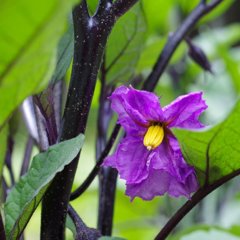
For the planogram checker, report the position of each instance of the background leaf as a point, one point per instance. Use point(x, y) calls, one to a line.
point(29, 34)
point(28, 192)
point(64, 53)
point(124, 45)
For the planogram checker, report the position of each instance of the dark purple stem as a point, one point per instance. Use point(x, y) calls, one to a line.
point(90, 40)
point(107, 183)
point(108, 179)
point(174, 40)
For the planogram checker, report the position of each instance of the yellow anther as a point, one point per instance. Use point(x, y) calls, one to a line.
point(153, 137)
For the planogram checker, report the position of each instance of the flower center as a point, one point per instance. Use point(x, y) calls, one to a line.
point(153, 137)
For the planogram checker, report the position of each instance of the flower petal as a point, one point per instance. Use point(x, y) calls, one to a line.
point(170, 158)
point(156, 184)
point(135, 108)
point(168, 173)
point(130, 159)
point(160, 182)
point(185, 111)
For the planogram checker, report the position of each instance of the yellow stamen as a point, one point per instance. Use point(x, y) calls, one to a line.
point(153, 137)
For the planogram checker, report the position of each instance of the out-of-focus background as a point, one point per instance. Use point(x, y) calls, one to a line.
point(218, 35)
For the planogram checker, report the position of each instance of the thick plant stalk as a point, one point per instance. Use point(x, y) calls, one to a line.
point(90, 37)
point(90, 40)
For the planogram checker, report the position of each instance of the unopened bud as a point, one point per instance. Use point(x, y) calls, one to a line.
point(198, 56)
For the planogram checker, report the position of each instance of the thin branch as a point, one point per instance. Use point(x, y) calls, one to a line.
point(106, 181)
point(103, 7)
point(82, 231)
point(187, 207)
point(121, 6)
point(175, 40)
point(83, 10)
point(97, 167)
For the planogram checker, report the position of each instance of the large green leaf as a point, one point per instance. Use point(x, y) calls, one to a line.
point(28, 192)
point(215, 153)
point(124, 45)
point(29, 33)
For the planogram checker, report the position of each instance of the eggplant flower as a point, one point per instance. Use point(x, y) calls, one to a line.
point(149, 158)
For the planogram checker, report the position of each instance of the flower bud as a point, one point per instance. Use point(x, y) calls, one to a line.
point(198, 56)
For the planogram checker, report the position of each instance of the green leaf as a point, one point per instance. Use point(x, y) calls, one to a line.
point(124, 45)
point(29, 34)
point(215, 152)
point(28, 192)
point(64, 54)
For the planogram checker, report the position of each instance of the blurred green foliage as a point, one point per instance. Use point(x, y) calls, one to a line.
point(28, 58)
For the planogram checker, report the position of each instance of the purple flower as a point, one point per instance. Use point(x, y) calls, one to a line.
point(149, 158)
